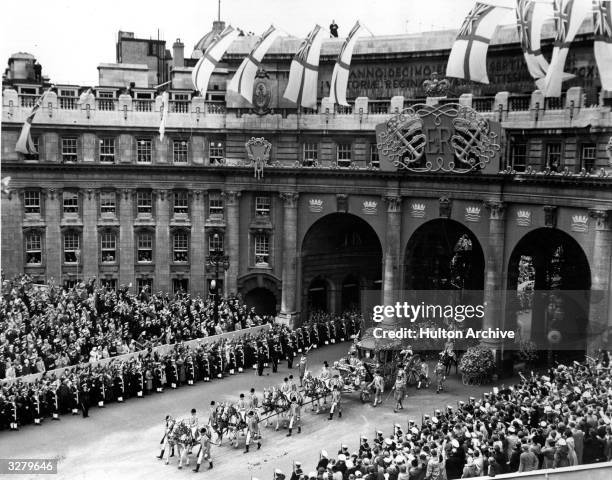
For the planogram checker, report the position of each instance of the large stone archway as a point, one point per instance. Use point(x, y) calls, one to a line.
point(340, 252)
point(549, 282)
point(261, 291)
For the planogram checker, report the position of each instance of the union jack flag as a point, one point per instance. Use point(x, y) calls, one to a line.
point(602, 18)
point(470, 24)
point(350, 36)
point(562, 15)
point(302, 54)
point(602, 46)
point(524, 15)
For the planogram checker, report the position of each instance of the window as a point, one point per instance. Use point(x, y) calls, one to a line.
point(311, 154)
point(215, 206)
point(109, 247)
point(344, 155)
point(180, 102)
point(145, 247)
point(588, 156)
point(181, 203)
point(108, 204)
point(215, 243)
point(72, 253)
point(262, 249)
point(31, 202)
point(180, 285)
point(106, 100)
point(69, 149)
point(518, 155)
point(108, 283)
point(180, 247)
point(144, 203)
point(374, 160)
point(71, 203)
point(144, 149)
point(262, 206)
point(67, 99)
point(553, 156)
point(35, 149)
point(216, 152)
point(144, 285)
point(179, 151)
point(107, 150)
point(33, 248)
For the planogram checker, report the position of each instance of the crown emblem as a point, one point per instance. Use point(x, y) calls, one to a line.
point(369, 207)
point(472, 214)
point(315, 205)
point(418, 210)
point(523, 218)
point(580, 223)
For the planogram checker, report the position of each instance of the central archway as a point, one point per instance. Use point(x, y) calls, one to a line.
point(341, 255)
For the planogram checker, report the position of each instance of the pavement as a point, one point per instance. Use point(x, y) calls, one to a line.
point(122, 440)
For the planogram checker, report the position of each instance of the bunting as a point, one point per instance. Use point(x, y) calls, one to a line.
point(468, 57)
point(302, 85)
point(602, 20)
point(242, 82)
point(568, 16)
point(25, 144)
point(340, 75)
point(211, 58)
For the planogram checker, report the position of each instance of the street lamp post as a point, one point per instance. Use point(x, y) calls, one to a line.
point(216, 261)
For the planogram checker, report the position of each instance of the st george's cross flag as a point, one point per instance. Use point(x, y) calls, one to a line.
point(568, 16)
point(165, 98)
point(242, 81)
point(211, 58)
point(530, 18)
point(25, 144)
point(340, 75)
point(602, 20)
point(304, 71)
point(468, 57)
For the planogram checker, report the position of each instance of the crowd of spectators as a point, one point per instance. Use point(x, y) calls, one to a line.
point(557, 419)
point(48, 327)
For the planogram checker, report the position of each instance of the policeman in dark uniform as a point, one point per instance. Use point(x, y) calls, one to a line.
point(84, 398)
point(260, 361)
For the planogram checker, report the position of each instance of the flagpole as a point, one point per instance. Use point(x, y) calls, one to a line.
point(366, 28)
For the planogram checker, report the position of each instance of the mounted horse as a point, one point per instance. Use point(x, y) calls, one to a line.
point(316, 388)
point(236, 424)
point(220, 422)
point(274, 403)
point(180, 436)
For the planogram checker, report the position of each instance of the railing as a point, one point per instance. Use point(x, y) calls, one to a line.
point(106, 104)
point(483, 104)
point(216, 108)
point(28, 100)
point(67, 103)
point(554, 103)
point(446, 101)
point(342, 110)
point(141, 105)
point(179, 106)
point(519, 103)
point(377, 108)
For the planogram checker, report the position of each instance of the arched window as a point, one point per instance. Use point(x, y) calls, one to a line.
point(72, 247)
point(145, 247)
point(215, 242)
point(33, 248)
point(180, 246)
point(108, 241)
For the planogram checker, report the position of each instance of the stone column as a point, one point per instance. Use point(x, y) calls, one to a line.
point(392, 247)
point(600, 315)
point(494, 266)
point(90, 247)
point(232, 240)
point(53, 239)
point(162, 242)
point(289, 291)
point(13, 260)
point(126, 238)
point(197, 244)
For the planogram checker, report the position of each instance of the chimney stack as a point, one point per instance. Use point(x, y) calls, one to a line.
point(178, 53)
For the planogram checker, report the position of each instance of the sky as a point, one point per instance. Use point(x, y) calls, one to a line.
point(70, 38)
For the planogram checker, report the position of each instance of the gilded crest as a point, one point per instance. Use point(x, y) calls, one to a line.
point(258, 151)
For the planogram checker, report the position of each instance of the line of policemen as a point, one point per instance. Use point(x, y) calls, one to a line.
point(81, 387)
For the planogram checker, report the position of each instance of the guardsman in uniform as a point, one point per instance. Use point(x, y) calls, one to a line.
point(172, 373)
point(139, 381)
point(231, 362)
point(14, 422)
point(219, 363)
point(189, 370)
point(290, 351)
point(335, 402)
point(295, 411)
point(314, 335)
point(253, 432)
point(240, 359)
point(164, 441)
point(204, 453)
point(206, 371)
point(297, 471)
point(119, 385)
point(379, 387)
point(157, 378)
point(53, 402)
point(266, 353)
point(84, 398)
point(364, 448)
point(74, 388)
point(260, 361)
point(38, 417)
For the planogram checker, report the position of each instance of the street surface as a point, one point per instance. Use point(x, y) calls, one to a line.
point(122, 440)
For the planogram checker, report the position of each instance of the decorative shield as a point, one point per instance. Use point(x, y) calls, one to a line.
point(258, 151)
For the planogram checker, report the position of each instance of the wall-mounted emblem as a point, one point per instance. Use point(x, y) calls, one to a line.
point(315, 205)
point(417, 210)
point(370, 207)
point(580, 223)
point(258, 151)
point(523, 218)
point(261, 93)
point(472, 214)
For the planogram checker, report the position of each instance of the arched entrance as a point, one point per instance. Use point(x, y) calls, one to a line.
point(549, 281)
point(443, 254)
point(262, 299)
point(341, 255)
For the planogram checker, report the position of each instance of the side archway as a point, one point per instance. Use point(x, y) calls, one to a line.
point(262, 292)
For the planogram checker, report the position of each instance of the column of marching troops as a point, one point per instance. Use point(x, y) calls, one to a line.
point(79, 388)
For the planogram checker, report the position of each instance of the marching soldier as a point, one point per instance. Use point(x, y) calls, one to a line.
point(364, 448)
point(164, 441)
point(204, 453)
point(253, 432)
point(335, 403)
point(295, 411)
point(297, 471)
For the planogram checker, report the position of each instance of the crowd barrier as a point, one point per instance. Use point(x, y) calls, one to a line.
point(161, 350)
point(592, 471)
